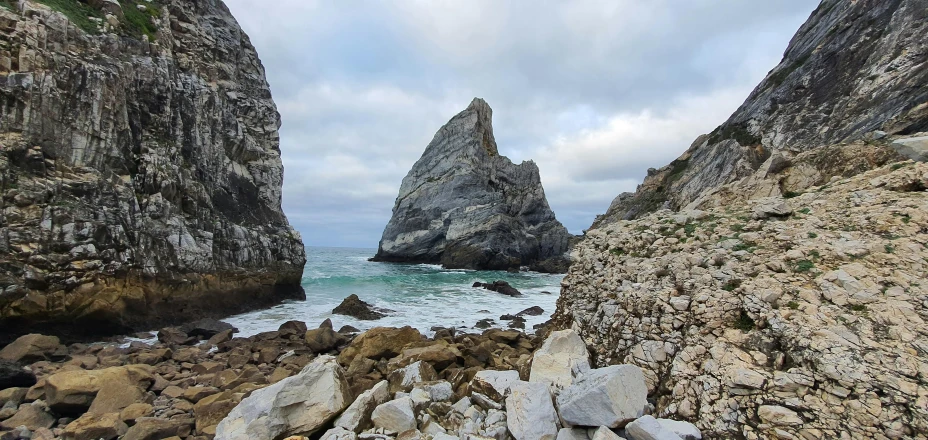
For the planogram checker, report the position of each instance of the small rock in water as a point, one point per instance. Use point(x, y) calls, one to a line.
point(531, 311)
point(348, 329)
point(206, 328)
point(500, 287)
point(484, 323)
point(354, 307)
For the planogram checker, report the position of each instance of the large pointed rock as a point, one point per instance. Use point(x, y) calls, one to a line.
point(465, 206)
point(530, 412)
point(358, 416)
point(299, 404)
point(561, 358)
point(610, 396)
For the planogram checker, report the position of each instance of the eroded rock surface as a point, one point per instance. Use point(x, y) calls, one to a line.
point(463, 205)
point(140, 177)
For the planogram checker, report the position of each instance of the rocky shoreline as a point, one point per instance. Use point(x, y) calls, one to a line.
point(199, 382)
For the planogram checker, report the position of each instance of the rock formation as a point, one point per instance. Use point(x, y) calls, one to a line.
point(854, 68)
point(769, 318)
point(140, 171)
point(464, 206)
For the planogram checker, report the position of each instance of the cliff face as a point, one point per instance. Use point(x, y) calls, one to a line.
point(141, 180)
point(853, 68)
point(465, 206)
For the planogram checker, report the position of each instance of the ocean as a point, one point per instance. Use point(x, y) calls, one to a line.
point(419, 295)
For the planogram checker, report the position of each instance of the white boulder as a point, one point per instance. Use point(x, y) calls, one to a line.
point(685, 430)
point(610, 396)
point(298, 404)
point(530, 412)
point(572, 434)
point(561, 358)
point(648, 428)
point(396, 415)
point(358, 416)
point(604, 433)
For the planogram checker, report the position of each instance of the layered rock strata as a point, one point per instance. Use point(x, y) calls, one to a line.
point(771, 317)
point(854, 68)
point(140, 169)
point(463, 205)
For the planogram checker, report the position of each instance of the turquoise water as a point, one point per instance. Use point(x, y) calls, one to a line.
point(420, 295)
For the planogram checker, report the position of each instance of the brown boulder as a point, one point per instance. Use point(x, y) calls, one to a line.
point(32, 416)
point(195, 394)
point(95, 426)
point(15, 395)
point(219, 338)
point(174, 336)
point(73, 392)
point(151, 428)
point(135, 411)
point(379, 342)
point(440, 354)
point(33, 348)
point(211, 410)
point(292, 328)
point(354, 307)
point(323, 339)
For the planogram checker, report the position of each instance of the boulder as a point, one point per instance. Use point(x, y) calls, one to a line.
point(292, 328)
point(440, 354)
point(648, 428)
point(395, 415)
point(95, 426)
point(379, 342)
point(494, 384)
point(531, 311)
point(404, 378)
point(339, 433)
point(299, 404)
point(74, 392)
point(219, 338)
point(15, 395)
point(174, 336)
point(915, 148)
point(561, 358)
point(530, 412)
point(32, 416)
point(767, 207)
point(610, 396)
point(778, 416)
point(358, 416)
point(136, 411)
point(685, 430)
point(12, 375)
point(33, 348)
point(354, 307)
point(206, 328)
point(152, 428)
point(323, 339)
point(438, 391)
point(572, 434)
point(604, 433)
point(209, 411)
point(500, 286)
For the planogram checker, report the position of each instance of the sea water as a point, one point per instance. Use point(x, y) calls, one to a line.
point(419, 295)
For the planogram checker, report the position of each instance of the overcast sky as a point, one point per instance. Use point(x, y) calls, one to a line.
point(595, 92)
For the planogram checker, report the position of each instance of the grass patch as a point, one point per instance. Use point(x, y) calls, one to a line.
point(744, 247)
point(79, 13)
point(889, 248)
point(791, 194)
point(731, 285)
point(792, 305)
point(804, 211)
point(813, 235)
point(897, 166)
point(8, 5)
point(138, 22)
point(689, 229)
point(803, 266)
point(858, 307)
point(777, 78)
point(744, 322)
point(736, 132)
point(617, 252)
point(738, 227)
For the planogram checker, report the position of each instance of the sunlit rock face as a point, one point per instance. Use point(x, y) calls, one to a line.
point(141, 177)
point(464, 206)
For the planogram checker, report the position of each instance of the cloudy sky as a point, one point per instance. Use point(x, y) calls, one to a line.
point(595, 92)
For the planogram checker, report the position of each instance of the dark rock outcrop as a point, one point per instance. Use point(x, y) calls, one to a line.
point(854, 68)
point(354, 307)
point(464, 206)
point(499, 286)
point(12, 375)
point(140, 171)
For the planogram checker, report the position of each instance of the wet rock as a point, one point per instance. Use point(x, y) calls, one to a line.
point(358, 416)
point(33, 348)
point(354, 307)
point(530, 412)
point(14, 376)
point(206, 328)
point(395, 415)
point(500, 287)
point(299, 404)
point(531, 311)
point(610, 396)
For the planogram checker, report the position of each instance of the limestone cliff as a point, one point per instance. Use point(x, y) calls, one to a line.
point(852, 68)
point(465, 206)
point(140, 168)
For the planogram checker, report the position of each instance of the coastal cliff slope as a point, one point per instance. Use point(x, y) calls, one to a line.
point(853, 68)
point(463, 205)
point(140, 168)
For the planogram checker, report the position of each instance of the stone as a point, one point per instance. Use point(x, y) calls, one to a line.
point(771, 207)
point(561, 358)
point(144, 235)
point(174, 336)
point(219, 338)
point(210, 410)
point(379, 342)
point(74, 392)
point(572, 434)
point(14, 395)
point(610, 396)
point(206, 328)
point(463, 205)
point(33, 348)
point(32, 416)
point(292, 328)
point(500, 287)
point(778, 415)
point(151, 428)
point(440, 354)
point(358, 415)
point(324, 339)
point(395, 415)
point(604, 433)
point(530, 412)
point(648, 428)
point(298, 404)
point(95, 426)
point(438, 391)
point(135, 411)
point(914, 148)
point(404, 378)
point(195, 394)
point(684, 430)
point(14, 376)
point(494, 384)
point(339, 433)
point(354, 307)
point(531, 311)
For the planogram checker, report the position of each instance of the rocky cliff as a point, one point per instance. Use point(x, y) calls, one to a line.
point(465, 206)
point(140, 168)
point(852, 69)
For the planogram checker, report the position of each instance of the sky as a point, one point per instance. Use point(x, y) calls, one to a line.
point(595, 92)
